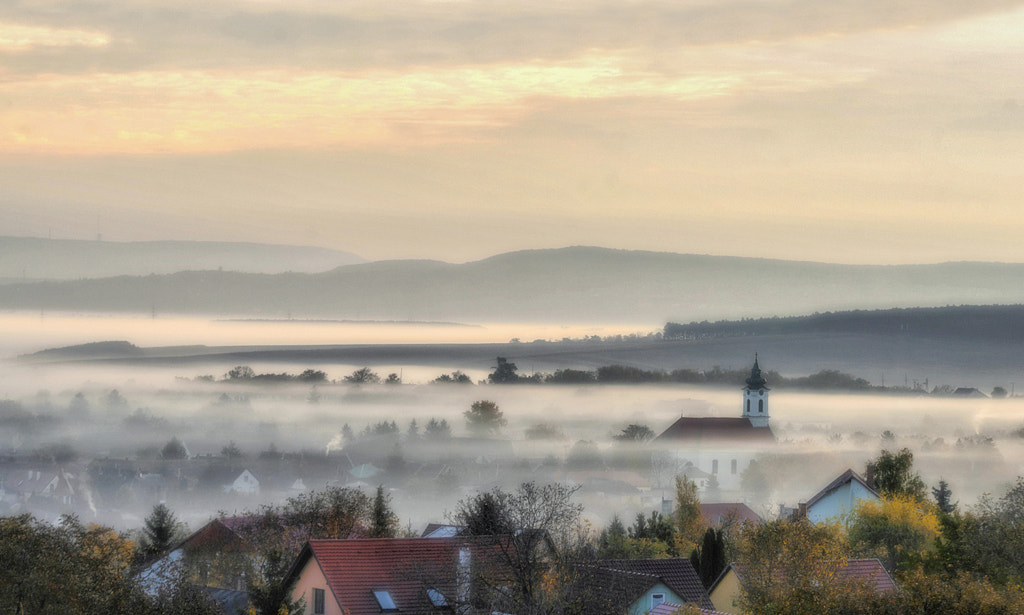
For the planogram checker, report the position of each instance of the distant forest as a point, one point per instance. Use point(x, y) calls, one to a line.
point(987, 322)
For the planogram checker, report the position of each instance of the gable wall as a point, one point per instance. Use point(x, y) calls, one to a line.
point(310, 577)
point(727, 593)
point(643, 604)
point(833, 506)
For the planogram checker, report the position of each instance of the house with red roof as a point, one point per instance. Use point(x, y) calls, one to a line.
point(727, 589)
point(670, 608)
point(371, 576)
point(215, 555)
point(717, 514)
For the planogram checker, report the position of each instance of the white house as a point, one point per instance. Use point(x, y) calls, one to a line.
point(245, 483)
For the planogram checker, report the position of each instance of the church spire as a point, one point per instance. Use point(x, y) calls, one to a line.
point(755, 397)
point(756, 380)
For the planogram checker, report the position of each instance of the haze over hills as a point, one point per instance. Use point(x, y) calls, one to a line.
point(31, 258)
point(568, 285)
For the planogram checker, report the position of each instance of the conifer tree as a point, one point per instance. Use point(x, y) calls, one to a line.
point(160, 531)
point(383, 521)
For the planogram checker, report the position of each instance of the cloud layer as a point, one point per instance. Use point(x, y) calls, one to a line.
point(606, 122)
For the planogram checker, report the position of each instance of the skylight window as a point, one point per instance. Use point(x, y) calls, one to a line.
point(384, 600)
point(437, 598)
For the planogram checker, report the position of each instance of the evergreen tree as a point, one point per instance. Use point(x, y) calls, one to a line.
point(944, 497)
point(709, 560)
point(160, 531)
point(437, 430)
point(383, 521)
point(613, 543)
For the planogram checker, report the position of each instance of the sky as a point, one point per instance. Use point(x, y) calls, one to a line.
point(867, 132)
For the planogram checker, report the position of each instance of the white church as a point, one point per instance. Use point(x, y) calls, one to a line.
point(714, 451)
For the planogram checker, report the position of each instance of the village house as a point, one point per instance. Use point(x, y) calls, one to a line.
point(39, 487)
point(727, 589)
point(635, 586)
point(838, 499)
point(213, 556)
point(718, 514)
point(390, 575)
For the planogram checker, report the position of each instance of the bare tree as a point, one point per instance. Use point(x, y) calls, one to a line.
point(537, 533)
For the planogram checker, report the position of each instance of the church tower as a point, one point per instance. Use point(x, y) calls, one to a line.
point(755, 398)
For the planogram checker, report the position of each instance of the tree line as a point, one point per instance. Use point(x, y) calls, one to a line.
point(987, 322)
point(507, 372)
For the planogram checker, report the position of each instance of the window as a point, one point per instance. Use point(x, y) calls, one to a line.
point(748, 405)
point(760, 405)
point(319, 601)
point(714, 466)
point(657, 599)
point(437, 598)
point(733, 466)
point(384, 600)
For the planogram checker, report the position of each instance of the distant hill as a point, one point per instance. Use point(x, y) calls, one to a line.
point(571, 285)
point(34, 259)
point(92, 350)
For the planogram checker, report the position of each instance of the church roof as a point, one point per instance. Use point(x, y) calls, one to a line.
point(715, 429)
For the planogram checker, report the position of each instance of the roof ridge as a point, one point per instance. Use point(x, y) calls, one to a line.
point(849, 474)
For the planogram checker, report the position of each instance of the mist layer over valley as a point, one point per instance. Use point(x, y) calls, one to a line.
point(112, 419)
point(217, 391)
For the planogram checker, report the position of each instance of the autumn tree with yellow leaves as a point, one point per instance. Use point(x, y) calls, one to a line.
point(688, 518)
point(897, 529)
point(72, 569)
point(787, 564)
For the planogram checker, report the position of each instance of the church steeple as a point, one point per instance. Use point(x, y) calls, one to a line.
point(755, 397)
point(756, 380)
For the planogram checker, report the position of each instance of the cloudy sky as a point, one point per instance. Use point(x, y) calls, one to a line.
point(863, 132)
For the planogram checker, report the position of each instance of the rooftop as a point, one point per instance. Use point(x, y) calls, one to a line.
point(715, 429)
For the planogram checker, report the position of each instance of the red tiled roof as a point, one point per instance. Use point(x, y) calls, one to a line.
point(405, 567)
point(218, 533)
point(669, 608)
point(715, 429)
point(715, 514)
point(869, 571)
